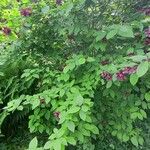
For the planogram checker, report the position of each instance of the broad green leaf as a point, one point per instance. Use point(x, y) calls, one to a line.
point(147, 96)
point(109, 84)
point(111, 34)
point(134, 115)
point(142, 68)
point(57, 144)
point(143, 113)
point(71, 126)
point(125, 137)
point(45, 9)
point(125, 31)
point(82, 115)
point(85, 108)
point(47, 145)
point(1, 74)
point(79, 100)
point(141, 140)
point(71, 140)
point(90, 59)
point(73, 110)
point(134, 141)
point(62, 117)
point(81, 60)
point(95, 129)
point(100, 36)
point(33, 144)
point(133, 79)
point(35, 103)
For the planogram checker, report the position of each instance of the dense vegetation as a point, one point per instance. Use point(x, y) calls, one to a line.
point(74, 74)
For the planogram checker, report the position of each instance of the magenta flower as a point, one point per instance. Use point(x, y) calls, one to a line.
point(130, 54)
point(58, 2)
point(146, 11)
point(147, 32)
point(56, 114)
point(121, 76)
point(105, 62)
point(106, 76)
point(129, 70)
point(26, 12)
point(147, 41)
point(6, 30)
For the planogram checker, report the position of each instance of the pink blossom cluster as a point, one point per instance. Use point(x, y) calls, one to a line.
point(147, 33)
point(106, 75)
point(121, 75)
point(105, 62)
point(6, 30)
point(147, 41)
point(56, 114)
point(26, 12)
point(146, 11)
point(58, 2)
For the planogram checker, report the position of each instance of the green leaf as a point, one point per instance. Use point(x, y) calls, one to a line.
point(79, 100)
point(45, 9)
point(82, 115)
point(73, 110)
point(47, 145)
point(125, 31)
point(1, 74)
point(100, 36)
point(134, 115)
point(111, 34)
point(141, 140)
point(142, 69)
point(134, 141)
point(90, 59)
point(85, 108)
point(35, 103)
point(133, 79)
point(70, 66)
point(143, 113)
point(57, 144)
point(109, 84)
point(95, 129)
point(125, 137)
point(147, 96)
point(81, 60)
point(71, 140)
point(33, 144)
point(71, 126)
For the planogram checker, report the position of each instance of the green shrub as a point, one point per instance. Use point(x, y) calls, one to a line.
point(80, 71)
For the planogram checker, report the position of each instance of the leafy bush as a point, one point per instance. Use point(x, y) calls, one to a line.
point(79, 70)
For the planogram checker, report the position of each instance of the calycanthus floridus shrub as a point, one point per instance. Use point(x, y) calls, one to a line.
point(89, 73)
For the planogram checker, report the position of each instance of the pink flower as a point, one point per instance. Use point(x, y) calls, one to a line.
point(58, 2)
point(120, 76)
point(147, 41)
point(26, 12)
point(147, 32)
point(130, 54)
point(56, 114)
point(105, 62)
point(129, 70)
point(146, 11)
point(6, 30)
point(106, 76)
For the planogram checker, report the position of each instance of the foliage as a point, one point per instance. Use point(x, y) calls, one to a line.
point(79, 69)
